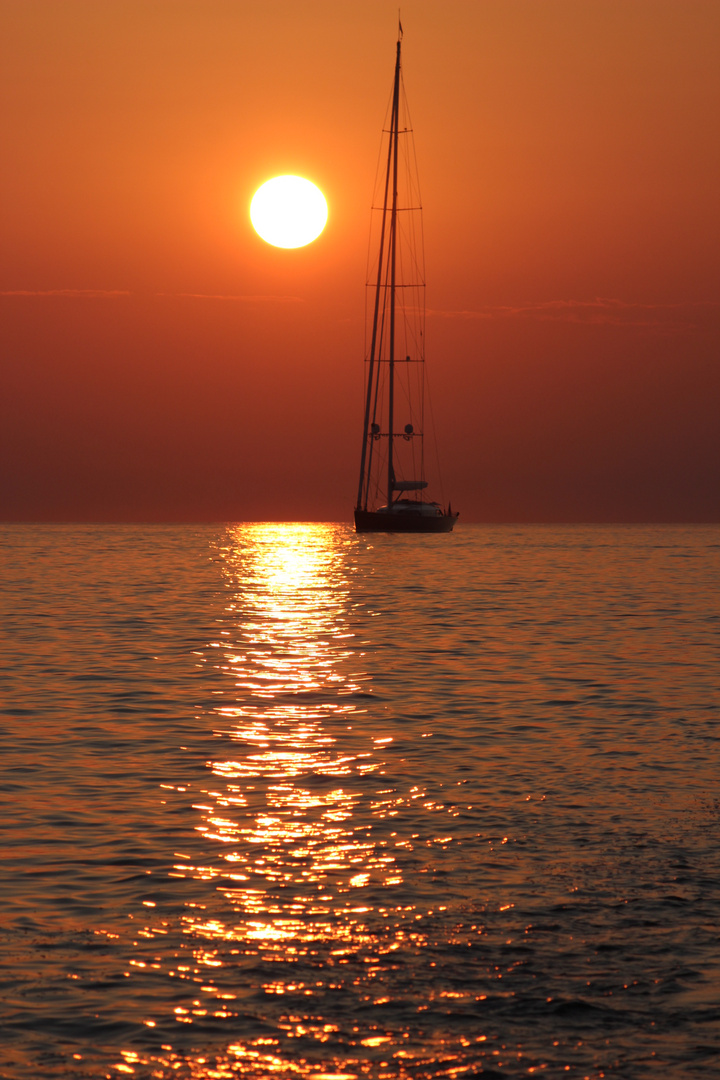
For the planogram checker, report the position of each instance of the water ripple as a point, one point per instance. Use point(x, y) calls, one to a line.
point(281, 801)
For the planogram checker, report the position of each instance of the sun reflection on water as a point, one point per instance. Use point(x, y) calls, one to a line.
point(308, 940)
point(300, 871)
point(285, 816)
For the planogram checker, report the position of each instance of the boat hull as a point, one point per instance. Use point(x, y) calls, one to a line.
point(377, 521)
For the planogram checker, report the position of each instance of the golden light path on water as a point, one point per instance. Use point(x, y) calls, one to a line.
point(300, 871)
point(291, 833)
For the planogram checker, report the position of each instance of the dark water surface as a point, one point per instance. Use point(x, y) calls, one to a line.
point(281, 801)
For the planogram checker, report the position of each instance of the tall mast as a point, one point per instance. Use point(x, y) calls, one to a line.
point(393, 250)
point(374, 358)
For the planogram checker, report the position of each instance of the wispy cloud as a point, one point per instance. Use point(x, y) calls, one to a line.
point(83, 294)
point(601, 311)
point(241, 299)
point(101, 294)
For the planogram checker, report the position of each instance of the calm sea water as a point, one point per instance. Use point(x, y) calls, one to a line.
point(282, 801)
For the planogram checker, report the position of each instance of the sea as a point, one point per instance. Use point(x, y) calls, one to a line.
point(281, 801)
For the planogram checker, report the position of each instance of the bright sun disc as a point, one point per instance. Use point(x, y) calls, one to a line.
point(288, 211)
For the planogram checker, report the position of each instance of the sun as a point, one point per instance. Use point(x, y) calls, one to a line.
point(288, 211)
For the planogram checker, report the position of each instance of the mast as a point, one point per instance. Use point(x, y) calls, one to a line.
point(393, 252)
point(374, 359)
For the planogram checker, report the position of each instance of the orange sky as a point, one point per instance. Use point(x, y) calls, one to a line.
point(160, 362)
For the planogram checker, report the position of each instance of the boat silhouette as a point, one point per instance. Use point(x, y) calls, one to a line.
point(392, 487)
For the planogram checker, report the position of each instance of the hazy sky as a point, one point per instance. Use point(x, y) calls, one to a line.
point(161, 362)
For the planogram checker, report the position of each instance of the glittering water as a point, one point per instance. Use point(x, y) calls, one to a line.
point(281, 801)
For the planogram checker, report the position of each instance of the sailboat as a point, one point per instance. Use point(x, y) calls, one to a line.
point(392, 488)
